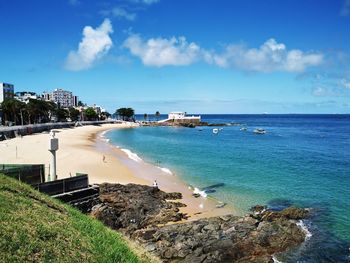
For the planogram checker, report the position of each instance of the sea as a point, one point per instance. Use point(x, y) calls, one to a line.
point(302, 160)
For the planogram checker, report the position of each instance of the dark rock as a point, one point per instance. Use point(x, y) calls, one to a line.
point(295, 213)
point(138, 211)
point(131, 207)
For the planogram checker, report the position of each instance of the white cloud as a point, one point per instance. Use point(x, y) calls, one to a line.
point(320, 91)
point(120, 13)
point(269, 57)
point(345, 83)
point(95, 44)
point(345, 10)
point(74, 2)
point(162, 51)
point(149, 2)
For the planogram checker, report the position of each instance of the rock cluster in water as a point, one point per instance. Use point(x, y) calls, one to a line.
point(141, 212)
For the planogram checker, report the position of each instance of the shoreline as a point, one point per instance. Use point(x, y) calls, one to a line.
point(201, 207)
point(81, 149)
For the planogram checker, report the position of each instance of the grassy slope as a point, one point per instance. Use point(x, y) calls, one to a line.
point(35, 227)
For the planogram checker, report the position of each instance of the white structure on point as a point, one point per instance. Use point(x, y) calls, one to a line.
point(178, 115)
point(53, 147)
point(181, 117)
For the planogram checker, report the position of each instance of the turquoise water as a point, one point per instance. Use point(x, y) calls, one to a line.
point(302, 160)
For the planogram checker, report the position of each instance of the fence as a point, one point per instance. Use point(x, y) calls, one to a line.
point(63, 185)
point(29, 173)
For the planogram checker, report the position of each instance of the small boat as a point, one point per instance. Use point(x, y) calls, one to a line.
point(216, 131)
point(243, 129)
point(259, 131)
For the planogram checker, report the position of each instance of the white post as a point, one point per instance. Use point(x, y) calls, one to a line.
point(53, 147)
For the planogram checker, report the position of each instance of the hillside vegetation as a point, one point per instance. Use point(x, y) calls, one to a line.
point(38, 228)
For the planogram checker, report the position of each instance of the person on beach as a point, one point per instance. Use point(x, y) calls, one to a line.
point(104, 158)
point(155, 184)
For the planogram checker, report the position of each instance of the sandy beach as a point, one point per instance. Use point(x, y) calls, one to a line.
point(84, 150)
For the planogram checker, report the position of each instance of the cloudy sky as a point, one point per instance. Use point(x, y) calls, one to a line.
point(199, 56)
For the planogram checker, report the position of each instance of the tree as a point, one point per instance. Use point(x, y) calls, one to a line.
point(73, 114)
point(157, 115)
point(39, 111)
point(12, 111)
point(125, 113)
point(90, 114)
point(105, 115)
point(62, 114)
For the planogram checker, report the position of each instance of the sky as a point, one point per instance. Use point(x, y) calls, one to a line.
point(198, 56)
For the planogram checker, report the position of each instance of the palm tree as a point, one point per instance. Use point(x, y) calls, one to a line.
point(157, 115)
point(11, 109)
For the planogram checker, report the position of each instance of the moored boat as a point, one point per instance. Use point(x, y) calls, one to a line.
point(259, 131)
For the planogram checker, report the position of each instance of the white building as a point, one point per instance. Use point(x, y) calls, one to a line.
point(24, 96)
point(63, 98)
point(176, 115)
point(181, 117)
point(6, 91)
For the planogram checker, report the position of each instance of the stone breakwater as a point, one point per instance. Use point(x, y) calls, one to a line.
point(143, 213)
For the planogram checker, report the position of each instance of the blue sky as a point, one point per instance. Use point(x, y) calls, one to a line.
point(200, 56)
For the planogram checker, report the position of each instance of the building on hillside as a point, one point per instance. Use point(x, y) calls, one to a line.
point(63, 98)
point(6, 91)
point(24, 96)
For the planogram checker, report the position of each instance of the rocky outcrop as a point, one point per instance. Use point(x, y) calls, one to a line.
point(130, 207)
point(223, 239)
point(139, 211)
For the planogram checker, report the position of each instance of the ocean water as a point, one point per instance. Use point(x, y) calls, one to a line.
point(302, 160)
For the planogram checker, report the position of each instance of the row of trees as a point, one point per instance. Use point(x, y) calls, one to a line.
point(39, 111)
point(146, 116)
point(128, 114)
point(16, 112)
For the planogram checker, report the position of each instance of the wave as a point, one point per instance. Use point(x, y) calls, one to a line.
point(165, 170)
point(305, 229)
point(103, 137)
point(132, 156)
point(201, 193)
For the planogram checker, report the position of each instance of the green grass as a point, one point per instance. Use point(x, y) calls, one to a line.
point(38, 228)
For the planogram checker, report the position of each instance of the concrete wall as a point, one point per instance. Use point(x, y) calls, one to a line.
point(194, 120)
point(14, 131)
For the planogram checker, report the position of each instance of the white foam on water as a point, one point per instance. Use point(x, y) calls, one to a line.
point(201, 206)
point(307, 232)
point(201, 193)
point(276, 260)
point(132, 156)
point(165, 170)
point(105, 140)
